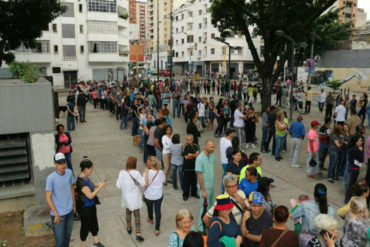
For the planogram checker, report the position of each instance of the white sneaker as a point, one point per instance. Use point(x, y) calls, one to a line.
point(247, 146)
point(295, 165)
point(253, 146)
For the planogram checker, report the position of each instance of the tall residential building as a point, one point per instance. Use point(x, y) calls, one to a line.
point(361, 19)
point(349, 11)
point(137, 15)
point(195, 47)
point(88, 42)
point(159, 20)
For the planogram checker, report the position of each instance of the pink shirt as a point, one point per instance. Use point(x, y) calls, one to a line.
point(64, 149)
point(312, 135)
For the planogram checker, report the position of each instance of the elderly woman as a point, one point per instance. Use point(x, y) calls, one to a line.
point(184, 222)
point(356, 230)
point(308, 210)
point(223, 228)
point(358, 190)
point(327, 228)
point(279, 235)
point(129, 181)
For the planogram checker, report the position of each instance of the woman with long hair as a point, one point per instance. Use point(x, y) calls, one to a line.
point(280, 131)
point(220, 113)
point(308, 210)
point(166, 152)
point(250, 127)
point(335, 145)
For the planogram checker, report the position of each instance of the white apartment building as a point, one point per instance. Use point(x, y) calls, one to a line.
point(90, 41)
point(195, 47)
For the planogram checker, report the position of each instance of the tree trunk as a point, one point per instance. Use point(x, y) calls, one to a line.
point(266, 92)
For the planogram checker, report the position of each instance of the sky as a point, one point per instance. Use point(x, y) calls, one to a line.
point(365, 4)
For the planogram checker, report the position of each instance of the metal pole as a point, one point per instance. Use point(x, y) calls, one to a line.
point(291, 83)
point(171, 44)
point(157, 40)
point(229, 71)
point(311, 57)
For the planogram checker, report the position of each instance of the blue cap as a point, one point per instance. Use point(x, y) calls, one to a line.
point(257, 198)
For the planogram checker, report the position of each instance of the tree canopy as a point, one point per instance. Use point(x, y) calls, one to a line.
point(22, 21)
point(262, 18)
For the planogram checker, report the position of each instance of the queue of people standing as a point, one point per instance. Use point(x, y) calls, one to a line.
point(245, 212)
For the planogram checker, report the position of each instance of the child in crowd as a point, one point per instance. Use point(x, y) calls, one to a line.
point(295, 205)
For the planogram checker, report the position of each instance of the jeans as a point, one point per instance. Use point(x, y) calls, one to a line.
point(368, 119)
point(134, 126)
point(71, 124)
point(69, 160)
point(323, 152)
point(157, 209)
point(334, 158)
point(63, 230)
point(220, 125)
point(203, 122)
point(309, 169)
point(158, 155)
point(176, 168)
point(123, 122)
point(296, 148)
point(224, 166)
point(352, 179)
point(279, 142)
point(142, 137)
point(362, 115)
point(264, 145)
point(176, 109)
point(82, 112)
point(308, 107)
point(284, 144)
point(342, 162)
point(321, 106)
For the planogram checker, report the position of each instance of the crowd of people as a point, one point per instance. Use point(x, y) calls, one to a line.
point(244, 214)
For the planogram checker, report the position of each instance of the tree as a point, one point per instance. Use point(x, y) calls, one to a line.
point(25, 71)
point(262, 18)
point(22, 21)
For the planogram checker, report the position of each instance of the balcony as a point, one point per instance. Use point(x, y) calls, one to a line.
point(103, 57)
point(33, 57)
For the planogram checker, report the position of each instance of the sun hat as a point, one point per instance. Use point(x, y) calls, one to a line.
point(224, 202)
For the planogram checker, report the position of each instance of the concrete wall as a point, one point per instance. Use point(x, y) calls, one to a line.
point(25, 108)
point(345, 59)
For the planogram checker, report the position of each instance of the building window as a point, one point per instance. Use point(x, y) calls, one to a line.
point(182, 54)
point(176, 54)
point(212, 50)
point(182, 41)
point(102, 6)
point(80, 8)
point(69, 10)
point(177, 30)
point(190, 39)
point(102, 47)
point(56, 49)
point(199, 39)
point(69, 52)
point(200, 12)
point(213, 36)
point(102, 27)
point(81, 49)
point(182, 29)
point(55, 28)
point(81, 29)
point(177, 42)
point(42, 46)
point(182, 16)
point(200, 25)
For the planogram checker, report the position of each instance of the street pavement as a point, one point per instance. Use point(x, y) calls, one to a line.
point(108, 147)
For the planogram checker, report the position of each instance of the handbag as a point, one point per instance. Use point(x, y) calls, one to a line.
point(143, 197)
point(313, 163)
point(280, 237)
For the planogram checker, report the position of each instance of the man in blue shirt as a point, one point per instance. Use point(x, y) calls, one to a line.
point(60, 198)
point(297, 132)
point(166, 97)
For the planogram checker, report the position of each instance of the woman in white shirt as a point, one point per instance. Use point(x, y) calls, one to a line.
point(153, 194)
point(129, 181)
point(177, 161)
point(166, 153)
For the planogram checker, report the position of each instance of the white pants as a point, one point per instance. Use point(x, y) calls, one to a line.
point(296, 148)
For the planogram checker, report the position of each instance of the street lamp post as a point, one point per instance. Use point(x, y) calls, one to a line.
point(281, 33)
point(228, 64)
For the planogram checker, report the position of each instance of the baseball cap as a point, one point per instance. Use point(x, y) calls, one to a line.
point(315, 123)
point(59, 158)
point(229, 131)
point(256, 197)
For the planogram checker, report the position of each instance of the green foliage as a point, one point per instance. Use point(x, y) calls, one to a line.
point(25, 71)
point(261, 19)
point(22, 22)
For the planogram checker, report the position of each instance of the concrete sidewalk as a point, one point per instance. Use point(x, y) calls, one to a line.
point(108, 147)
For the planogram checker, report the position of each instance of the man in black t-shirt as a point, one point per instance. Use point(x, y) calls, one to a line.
point(190, 151)
point(158, 133)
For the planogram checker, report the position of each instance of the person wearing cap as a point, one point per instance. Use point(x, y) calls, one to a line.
point(312, 150)
point(340, 113)
point(225, 142)
point(297, 132)
point(237, 197)
point(204, 168)
point(223, 229)
point(61, 200)
point(254, 222)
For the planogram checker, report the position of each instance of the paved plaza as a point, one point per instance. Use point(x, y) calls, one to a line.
point(108, 147)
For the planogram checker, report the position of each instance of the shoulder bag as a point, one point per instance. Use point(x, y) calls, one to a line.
point(279, 238)
point(143, 198)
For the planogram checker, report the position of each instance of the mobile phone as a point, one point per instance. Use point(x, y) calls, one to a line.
point(323, 232)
